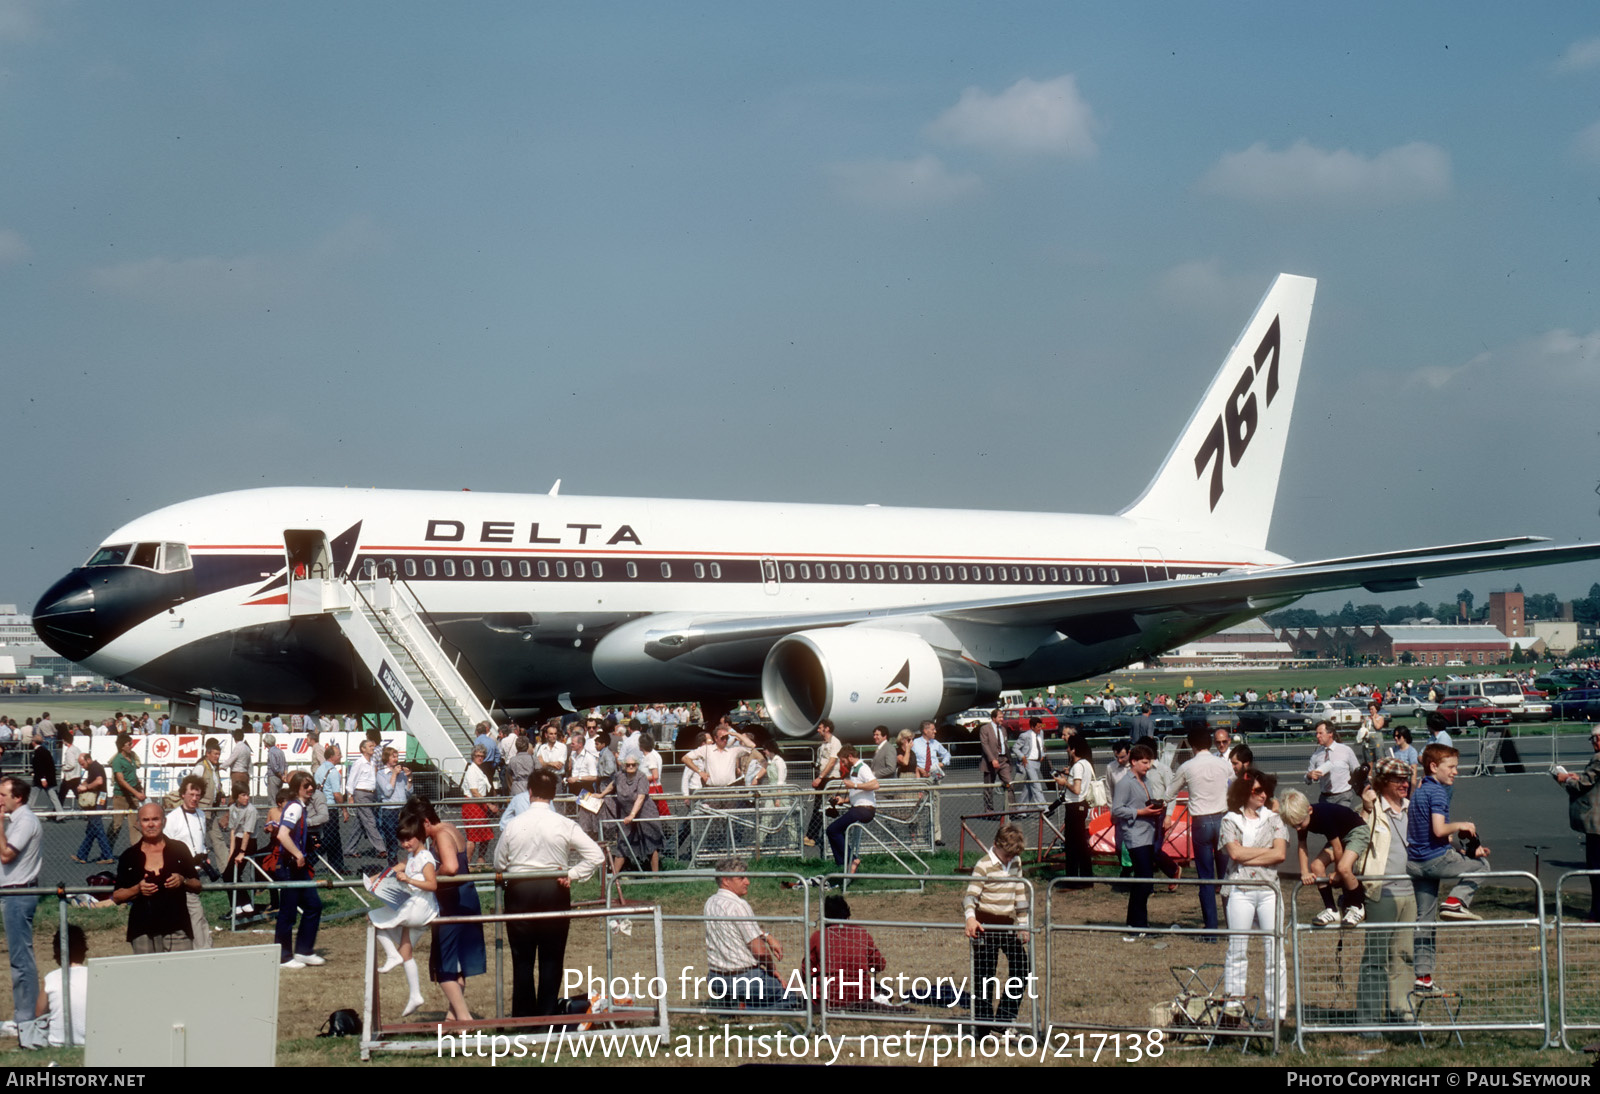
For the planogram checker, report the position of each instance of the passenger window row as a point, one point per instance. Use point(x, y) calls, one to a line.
point(431, 567)
point(924, 573)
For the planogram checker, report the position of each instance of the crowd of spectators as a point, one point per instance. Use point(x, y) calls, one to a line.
point(1383, 814)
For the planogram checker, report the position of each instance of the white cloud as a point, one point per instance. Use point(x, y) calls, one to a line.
point(189, 283)
point(1305, 174)
point(19, 20)
point(1586, 145)
point(1580, 55)
point(902, 184)
point(1558, 362)
point(13, 248)
point(1202, 285)
point(212, 282)
point(1028, 118)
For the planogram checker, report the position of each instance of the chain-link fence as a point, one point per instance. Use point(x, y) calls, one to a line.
point(1196, 984)
point(1395, 974)
point(886, 952)
point(1577, 952)
point(768, 978)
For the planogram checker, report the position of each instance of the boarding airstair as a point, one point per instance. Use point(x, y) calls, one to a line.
point(386, 628)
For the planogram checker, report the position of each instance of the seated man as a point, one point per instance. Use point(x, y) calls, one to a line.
point(844, 974)
point(741, 957)
point(1333, 823)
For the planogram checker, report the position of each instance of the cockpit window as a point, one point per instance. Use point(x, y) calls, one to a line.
point(113, 555)
point(174, 557)
point(144, 554)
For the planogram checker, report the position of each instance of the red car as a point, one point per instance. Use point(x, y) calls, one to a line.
point(1469, 711)
point(1016, 719)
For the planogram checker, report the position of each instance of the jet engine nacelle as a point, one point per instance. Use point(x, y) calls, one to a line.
point(861, 677)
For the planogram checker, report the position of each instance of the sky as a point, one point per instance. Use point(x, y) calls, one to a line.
point(971, 255)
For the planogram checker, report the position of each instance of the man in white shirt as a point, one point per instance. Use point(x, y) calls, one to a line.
point(1332, 764)
point(187, 825)
point(551, 752)
point(20, 861)
point(363, 787)
point(1206, 775)
point(717, 764)
point(827, 763)
point(541, 839)
point(1029, 751)
point(742, 958)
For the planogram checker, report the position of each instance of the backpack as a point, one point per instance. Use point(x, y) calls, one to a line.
point(341, 1023)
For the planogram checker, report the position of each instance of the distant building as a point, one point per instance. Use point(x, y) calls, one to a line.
point(1252, 643)
point(1426, 644)
point(1506, 612)
point(27, 655)
point(1558, 635)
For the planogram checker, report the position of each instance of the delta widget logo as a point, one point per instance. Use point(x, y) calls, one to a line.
point(898, 688)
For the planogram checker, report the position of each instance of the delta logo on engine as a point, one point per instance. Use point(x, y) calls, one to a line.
point(898, 687)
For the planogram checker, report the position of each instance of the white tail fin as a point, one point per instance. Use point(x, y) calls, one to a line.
point(1222, 475)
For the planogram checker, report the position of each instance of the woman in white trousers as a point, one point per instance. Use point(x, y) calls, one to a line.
point(1257, 843)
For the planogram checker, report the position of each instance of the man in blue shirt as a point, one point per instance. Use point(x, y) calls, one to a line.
point(931, 759)
point(486, 741)
point(1431, 858)
point(329, 780)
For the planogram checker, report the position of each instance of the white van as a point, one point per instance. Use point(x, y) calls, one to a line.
point(1502, 691)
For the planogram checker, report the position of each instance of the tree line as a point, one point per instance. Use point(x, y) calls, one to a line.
point(1535, 605)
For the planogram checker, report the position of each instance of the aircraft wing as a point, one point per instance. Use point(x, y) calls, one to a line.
point(1090, 613)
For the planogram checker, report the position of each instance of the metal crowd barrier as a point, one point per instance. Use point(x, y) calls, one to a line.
point(1195, 1004)
point(1493, 973)
point(784, 913)
point(941, 986)
point(649, 1019)
point(1489, 974)
point(1577, 961)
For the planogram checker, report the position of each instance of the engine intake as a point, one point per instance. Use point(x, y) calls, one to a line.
point(860, 677)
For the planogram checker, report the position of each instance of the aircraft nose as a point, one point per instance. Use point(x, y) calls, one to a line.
point(65, 618)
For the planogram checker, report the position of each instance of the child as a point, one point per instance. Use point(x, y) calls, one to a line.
point(396, 925)
point(1431, 858)
point(50, 995)
point(1334, 823)
point(241, 845)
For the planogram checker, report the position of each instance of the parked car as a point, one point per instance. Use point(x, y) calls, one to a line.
point(1533, 709)
point(1577, 705)
point(1406, 706)
point(1211, 716)
point(1336, 712)
point(1017, 719)
point(1264, 717)
point(971, 719)
point(1094, 723)
point(1468, 710)
point(1162, 723)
